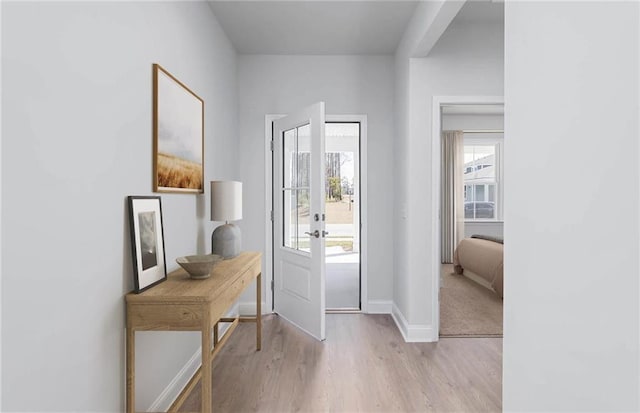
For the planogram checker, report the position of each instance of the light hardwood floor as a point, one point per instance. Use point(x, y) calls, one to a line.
point(364, 365)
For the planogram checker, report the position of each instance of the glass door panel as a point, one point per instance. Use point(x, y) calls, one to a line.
point(296, 168)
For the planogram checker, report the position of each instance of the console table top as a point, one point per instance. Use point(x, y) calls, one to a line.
point(180, 287)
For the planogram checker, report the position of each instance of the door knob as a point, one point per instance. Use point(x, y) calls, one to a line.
point(315, 233)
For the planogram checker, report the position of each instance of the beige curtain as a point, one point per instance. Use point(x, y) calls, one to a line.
point(452, 205)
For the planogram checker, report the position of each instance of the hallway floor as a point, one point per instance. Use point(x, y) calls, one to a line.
point(363, 365)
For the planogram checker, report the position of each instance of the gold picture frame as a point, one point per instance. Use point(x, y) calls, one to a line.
point(178, 135)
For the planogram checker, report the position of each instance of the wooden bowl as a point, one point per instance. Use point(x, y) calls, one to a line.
point(198, 266)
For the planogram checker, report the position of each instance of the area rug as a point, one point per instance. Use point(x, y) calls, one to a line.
point(468, 309)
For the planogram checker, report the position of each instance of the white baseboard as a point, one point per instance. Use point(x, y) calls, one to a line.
point(175, 386)
point(173, 389)
point(413, 333)
point(379, 307)
point(249, 308)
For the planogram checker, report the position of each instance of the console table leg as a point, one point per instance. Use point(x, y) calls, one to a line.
point(205, 380)
point(131, 367)
point(259, 312)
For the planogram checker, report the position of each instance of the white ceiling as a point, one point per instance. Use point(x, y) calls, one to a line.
point(314, 27)
point(330, 26)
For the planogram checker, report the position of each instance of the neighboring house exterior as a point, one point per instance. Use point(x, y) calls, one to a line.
point(480, 188)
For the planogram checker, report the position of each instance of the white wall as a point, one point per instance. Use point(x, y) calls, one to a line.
point(467, 60)
point(400, 167)
point(424, 17)
point(76, 141)
point(459, 121)
point(1, 249)
point(571, 333)
point(348, 85)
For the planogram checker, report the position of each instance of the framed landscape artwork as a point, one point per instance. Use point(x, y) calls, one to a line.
point(178, 135)
point(147, 241)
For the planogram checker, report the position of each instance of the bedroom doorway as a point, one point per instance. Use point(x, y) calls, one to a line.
point(471, 140)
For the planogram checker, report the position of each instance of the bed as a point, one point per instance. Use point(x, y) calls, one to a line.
point(481, 259)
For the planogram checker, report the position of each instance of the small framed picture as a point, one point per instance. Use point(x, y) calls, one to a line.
point(147, 242)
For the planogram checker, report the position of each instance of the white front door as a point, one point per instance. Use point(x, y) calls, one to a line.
point(298, 215)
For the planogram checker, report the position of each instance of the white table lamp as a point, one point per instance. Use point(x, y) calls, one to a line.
point(226, 205)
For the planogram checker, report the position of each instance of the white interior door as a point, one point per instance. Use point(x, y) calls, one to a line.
point(298, 215)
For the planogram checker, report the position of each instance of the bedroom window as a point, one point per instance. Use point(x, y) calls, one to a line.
point(482, 178)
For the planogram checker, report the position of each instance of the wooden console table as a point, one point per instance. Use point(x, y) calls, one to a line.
point(183, 304)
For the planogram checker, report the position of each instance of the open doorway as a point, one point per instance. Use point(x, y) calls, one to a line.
point(472, 219)
point(342, 207)
point(345, 219)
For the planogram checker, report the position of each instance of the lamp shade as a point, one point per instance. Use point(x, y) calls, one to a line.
point(226, 200)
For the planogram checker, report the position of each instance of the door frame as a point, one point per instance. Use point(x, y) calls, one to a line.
point(436, 187)
point(268, 185)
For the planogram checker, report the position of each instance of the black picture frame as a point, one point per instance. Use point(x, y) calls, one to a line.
point(147, 241)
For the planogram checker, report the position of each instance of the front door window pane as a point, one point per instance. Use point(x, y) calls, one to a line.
point(289, 222)
point(289, 158)
point(296, 173)
point(304, 223)
point(304, 156)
